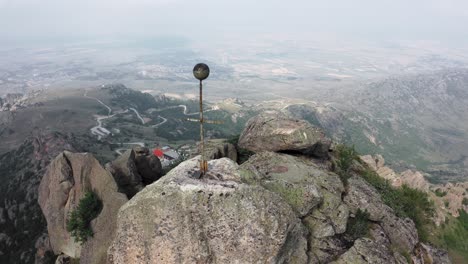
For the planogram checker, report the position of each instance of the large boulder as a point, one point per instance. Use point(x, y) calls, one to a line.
point(68, 178)
point(274, 131)
point(148, 165)
point(135, 169)
point(213, 219)
point(305, 186)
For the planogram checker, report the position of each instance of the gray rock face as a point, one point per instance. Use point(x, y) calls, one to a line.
point(135, 169)
point(363, 196)
point(402, 232)
point(366, 251)
point(299, 181)
point(67, 179)
point(216, 219)
point(274, 131)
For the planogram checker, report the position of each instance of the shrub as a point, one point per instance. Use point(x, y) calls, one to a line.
point(345, 156)
point(79, 222)
point(465, 201)
point(359, 225)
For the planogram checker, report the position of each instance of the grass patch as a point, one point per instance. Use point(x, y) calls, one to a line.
point(79, 223)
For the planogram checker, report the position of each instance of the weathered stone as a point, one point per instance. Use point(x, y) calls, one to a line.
point(299, 181)
point(68, 178)
point(366, 251)
point(402, 232)
point(274, 131)
point(319, 225)
point(215, 219)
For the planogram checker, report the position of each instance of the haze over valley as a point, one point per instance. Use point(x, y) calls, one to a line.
point(342, 125)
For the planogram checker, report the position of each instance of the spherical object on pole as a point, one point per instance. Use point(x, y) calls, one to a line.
point(201, 71)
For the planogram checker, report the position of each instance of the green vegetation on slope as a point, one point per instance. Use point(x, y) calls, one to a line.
point(79, 224)
point(454, 235)
point(405, 201)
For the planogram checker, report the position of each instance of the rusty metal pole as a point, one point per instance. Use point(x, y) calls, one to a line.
point(201, 71)
point(203, 166)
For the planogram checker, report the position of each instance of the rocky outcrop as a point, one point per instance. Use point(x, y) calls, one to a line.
point(135, 169)
point(377, 163)
point(215, 219)
point(274, 131)
point(415, 180)
point(67, 179)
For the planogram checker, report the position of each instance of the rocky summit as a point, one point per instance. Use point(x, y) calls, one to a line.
point(285, 204)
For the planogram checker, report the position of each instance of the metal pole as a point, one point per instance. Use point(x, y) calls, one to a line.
point(202, 162)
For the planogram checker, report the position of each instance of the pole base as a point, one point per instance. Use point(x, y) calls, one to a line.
point(203, 166)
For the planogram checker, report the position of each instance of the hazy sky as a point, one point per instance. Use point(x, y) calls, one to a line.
point(389, 19)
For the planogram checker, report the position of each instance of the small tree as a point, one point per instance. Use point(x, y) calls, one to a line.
point(344, 159)
point(79, 222)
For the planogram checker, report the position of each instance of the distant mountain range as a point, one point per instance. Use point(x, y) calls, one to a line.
point(416, 120)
